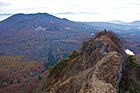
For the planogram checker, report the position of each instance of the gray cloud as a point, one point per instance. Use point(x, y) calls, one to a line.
point(71, 13)
point(4, 4)
point(31, 8)
point(65, 13)
point(5, 14)
point(88, 13)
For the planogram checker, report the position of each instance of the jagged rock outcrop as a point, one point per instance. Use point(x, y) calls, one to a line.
point(96, 69)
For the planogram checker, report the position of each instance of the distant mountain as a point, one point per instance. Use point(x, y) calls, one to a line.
point(120, 28)
point(134, 23)
point(116, 22)
point(4, 16)
point(41, 36)
point(110, 26)
point(31, 21)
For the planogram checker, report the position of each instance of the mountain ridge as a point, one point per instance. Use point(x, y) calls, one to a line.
point(24, 34)
point(96, 68)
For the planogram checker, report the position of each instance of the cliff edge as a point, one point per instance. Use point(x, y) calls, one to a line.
point(96, 68)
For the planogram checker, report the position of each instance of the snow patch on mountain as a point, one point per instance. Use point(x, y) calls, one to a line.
point(40, 28)
point(129, 52)
point(67, 28)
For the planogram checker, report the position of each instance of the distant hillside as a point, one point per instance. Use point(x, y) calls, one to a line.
point(117, 27)
point(116, 22)
point(18, 76)
point(135, 23)
point(40, 36)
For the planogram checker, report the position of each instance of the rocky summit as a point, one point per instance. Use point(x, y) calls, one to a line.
point(96, 68)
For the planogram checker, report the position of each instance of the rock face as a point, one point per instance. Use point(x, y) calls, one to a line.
point(97, 68)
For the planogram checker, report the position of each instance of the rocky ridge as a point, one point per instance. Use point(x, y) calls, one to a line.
point(96, 68)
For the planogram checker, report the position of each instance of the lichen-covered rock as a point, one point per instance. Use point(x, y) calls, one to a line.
point(97, 69)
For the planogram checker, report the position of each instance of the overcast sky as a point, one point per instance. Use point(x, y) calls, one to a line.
point(77, 10)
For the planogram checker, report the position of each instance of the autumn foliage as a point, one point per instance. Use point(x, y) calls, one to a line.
point(18, 76)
